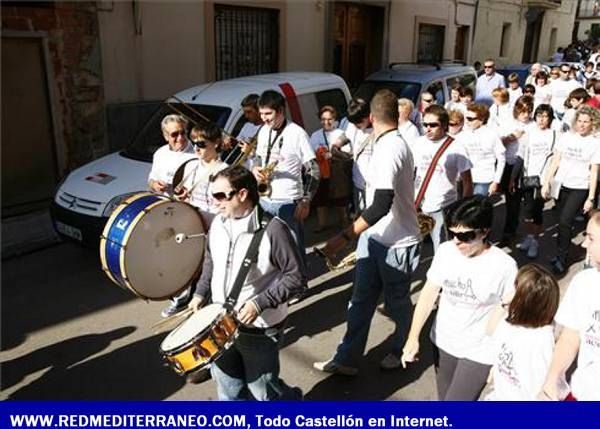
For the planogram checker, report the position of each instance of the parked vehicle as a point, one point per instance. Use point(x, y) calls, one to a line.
point(88, 195)
point(409, 80)
point(522, 70)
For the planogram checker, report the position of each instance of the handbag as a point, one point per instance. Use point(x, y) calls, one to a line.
point(426, 222)
point(535, 182)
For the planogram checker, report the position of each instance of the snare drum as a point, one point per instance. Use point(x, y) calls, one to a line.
point(200, 340)
point(139, 250)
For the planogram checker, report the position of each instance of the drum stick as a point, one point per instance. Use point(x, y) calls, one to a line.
point(174, 318)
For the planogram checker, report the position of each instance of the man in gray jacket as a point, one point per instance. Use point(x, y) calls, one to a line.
point(251, 365)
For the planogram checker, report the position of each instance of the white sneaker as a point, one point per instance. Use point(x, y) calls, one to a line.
point(333, 367)
point(533, 250)
point(524, 245)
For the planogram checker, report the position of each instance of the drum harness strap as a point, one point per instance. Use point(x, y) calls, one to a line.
point(250, 258)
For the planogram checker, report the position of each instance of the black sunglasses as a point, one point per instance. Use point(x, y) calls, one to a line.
point(488, 67)
point(431, 124)
point(463, 237)
point(200, 144)
point(471, 118)
point(176, 134)
point(453, 124)
point(427, 100)
point(224, 196)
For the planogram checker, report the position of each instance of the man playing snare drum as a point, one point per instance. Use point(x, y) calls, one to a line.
point(250, 367)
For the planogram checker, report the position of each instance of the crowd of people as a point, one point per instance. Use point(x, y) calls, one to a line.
point(520, 145)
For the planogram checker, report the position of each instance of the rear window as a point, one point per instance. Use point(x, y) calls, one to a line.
point(150, 137)
point(408, 90)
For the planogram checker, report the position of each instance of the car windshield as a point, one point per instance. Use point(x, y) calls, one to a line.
point(151, 138)
point(408, 90)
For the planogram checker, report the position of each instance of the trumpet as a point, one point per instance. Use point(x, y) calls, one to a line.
point(243, 156)
point(264, 187)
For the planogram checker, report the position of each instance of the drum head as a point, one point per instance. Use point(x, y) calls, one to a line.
point(158, 267)
point(193, 326)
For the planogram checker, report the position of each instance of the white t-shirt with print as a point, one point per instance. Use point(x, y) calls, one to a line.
point(513, 148)
point(391, 167)
point(326, 138)
point(577, 153)
point(165, 162)
point(196, 176)
point(290, 149)
point(471, 289)
point(362, 152)
point(522, 358)
point(560, 90)
point(580, 310)
point(536, 151)
point(543, 95)
point(441, 190)
point(486, 151)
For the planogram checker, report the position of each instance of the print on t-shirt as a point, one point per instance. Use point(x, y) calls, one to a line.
point(460, 290)
point(505, 365)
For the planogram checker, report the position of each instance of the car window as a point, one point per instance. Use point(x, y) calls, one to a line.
point(239, 125)
point(150, 137)
point(437, 90)
point(310, 112)
point(408, 90)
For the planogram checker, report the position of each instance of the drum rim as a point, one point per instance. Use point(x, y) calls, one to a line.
point(186, 344)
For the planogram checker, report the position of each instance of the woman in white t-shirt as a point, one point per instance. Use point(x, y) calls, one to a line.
point(577, 98)
point(524, 339)
point(579, 315)
point(574, 170)
point(454, 101)
point(472, 279)
point(543, 92)
point(321, 142)
point(197, 174)
point(407, 130)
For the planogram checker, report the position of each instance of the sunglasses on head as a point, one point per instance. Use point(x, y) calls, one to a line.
point(471, 118)
point(463, 237)
point(224, 196)
point(176, 134)
point(200, 144)
point(431, 124)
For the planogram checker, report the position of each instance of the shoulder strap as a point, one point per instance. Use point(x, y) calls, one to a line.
point(551, 150)
point(250, 258)
point(430, 171)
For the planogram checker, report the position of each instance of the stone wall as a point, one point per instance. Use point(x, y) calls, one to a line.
point(76, 71)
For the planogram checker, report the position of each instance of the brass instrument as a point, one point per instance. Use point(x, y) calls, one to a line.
point(242, 157)
point(347, 261)
point(426, 223)
point(264, 187)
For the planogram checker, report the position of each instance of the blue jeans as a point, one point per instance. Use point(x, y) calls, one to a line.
point(481, 188)
point(250, 368)
point(285, 211)
point(378, 268)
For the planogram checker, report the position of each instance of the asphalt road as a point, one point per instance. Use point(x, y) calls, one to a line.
point(69, 333)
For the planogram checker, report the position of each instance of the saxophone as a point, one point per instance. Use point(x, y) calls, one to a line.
point(264, 187)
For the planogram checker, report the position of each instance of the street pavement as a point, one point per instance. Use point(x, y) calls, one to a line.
point(69, 333)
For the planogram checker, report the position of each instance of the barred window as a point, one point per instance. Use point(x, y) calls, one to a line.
point(246, 41)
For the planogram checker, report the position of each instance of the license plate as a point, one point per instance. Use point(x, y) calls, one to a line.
point(69, 231)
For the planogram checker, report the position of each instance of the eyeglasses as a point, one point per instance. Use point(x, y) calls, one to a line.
point(454, 124)
point(200, 144)
point(471, 118)
point(176, 134)
point(488, 67)
point(427, 100)
point(431, 124)
point(463, 237)
point(565, 71)
point(224, 196)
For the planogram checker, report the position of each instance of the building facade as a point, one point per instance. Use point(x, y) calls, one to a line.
point(587, 22)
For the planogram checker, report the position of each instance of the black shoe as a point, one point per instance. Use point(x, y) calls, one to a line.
point(199, 376)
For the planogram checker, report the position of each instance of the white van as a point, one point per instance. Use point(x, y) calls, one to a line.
point(89, 194)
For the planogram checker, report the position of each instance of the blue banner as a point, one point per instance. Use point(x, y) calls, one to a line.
point(254, 415)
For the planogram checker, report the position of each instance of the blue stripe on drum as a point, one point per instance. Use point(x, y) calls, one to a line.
point(116, 234)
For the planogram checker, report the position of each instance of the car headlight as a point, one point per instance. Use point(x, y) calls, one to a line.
point(112, 204)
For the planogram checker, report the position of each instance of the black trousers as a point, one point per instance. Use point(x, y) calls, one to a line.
point(513, 203)
point(570, 202)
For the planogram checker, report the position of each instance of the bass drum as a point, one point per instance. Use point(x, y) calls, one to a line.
point(139, 250)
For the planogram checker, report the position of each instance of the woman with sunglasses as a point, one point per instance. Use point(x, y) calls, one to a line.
point(484, 149)
point(574, 169)
point(472, 279)
point(579, 316)
point(207, 141)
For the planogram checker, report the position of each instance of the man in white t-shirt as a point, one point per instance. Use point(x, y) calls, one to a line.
point(560, 90)
point(284, 148)
point(388, 242)
point(247, 133)
point(451, 166)
point(165, 162)
point(487, 82)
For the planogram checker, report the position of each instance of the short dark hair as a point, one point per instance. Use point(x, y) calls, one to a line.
point(209, 131)
point(240, 178)
point(358, 110)
point(529, 88)
point(545, 108)
point(536, 298)
point(466, 91)
point(481, 110)
point(250, 100)
point(474, 212)
point(271, 99)
point(384, 106)
point(579, 94)
point(440, 112)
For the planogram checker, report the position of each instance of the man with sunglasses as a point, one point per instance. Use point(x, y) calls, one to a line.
point(453, 165)
point(560, 89)
point(487, 82)
point(165, 162)
point(388, 242)
point(250, 367)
